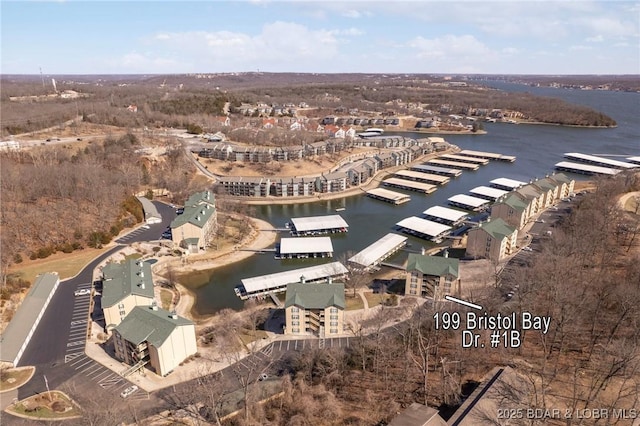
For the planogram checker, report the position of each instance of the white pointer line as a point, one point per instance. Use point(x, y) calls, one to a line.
point(463, 302)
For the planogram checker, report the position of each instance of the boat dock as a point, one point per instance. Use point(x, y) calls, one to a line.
point(304, 248)
point(423, 228)
point(445, 171)
point(467, 202)
point(456, 164)
point(316, 225)
point(421, 177)
point(634, 160)
point(380, 250)
point(487, 155)
point(507, 184)
point(585, 169)
point(388, 196)
point(450, 217)
point(491, 194)
point(599, 161)
point(432, 177)
point(410, 185)
point(465, 159)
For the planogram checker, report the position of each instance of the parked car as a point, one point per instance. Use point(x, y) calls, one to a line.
point(128, 391)
point(180, 211)
point(527, 249)
point(82, 292)
point(263, 376)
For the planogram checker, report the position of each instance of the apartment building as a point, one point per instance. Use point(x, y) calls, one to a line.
point(195, 228)
point(493, 240)
point(316, 309)
point(432, 276)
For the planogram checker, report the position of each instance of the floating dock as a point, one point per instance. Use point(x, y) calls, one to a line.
point(377, 252)
point(634, 160)
point(410, 185)
point(421, 177)
point(303, 248)
point(388, 196)
point(274, 283)
point(465, 159)
point(451, 217)
point(437, 170)
point(467, 202)
point(316, 225)
point(599, 161)
point(487, 155)
point(507, 184)
point(424, 228)
point(456, 164)
point(585, 169)
point(432, 177)
point(487, 193)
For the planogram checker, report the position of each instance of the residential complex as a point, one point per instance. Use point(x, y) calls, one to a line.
point(492, 240)
point(432, 276)
point(125, 286)
point(316, 309)
point(153, 337)
point(195, 228)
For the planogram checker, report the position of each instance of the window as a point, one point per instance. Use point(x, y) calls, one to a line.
point(412, 292)
point(334, 310)
point(334, 323)
point(414, 286)
point(295, 317)
point(295, 322)
point(294, 309)
point(334, 331)
point(296, 330)
point(333, 317)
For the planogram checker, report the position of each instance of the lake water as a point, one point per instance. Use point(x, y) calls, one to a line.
point(537, 148)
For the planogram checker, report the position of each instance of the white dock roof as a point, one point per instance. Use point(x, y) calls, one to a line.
point(586, 168)
point(508, 183)
point(424, 226)
point(599, 160)
point(316, 223)
point(488, 192)
point(635, 160)
point(468, 200)
point(445, 213)
point(418, 186)
point(389, 195)
point(378, 250)
point(280, 279)
point(306, 245)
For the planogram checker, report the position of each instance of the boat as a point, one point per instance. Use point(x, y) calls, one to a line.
point(374, 130)
point(340, 209)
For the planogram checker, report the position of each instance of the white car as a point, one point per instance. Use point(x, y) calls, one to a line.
point(128, 391)
point(527, 249)
point(82, 292)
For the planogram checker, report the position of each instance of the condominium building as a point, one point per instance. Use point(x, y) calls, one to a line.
point(493, 240)
point(316, 309)
point(195, 228)
point(432, 276)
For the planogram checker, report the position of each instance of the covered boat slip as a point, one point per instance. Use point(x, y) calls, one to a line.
point(465, 159)
point(315, 225)
point(388, 196)
point(585, 169)
point(487, 155)
point(378, 251)
point(435, 178)
point(488, 193)
point(467, 202)
point(634, 160)
point(599, 161)
point(445, 171)
point(410, 185)
point(274, 283)
point(456, 164)
point(302, 248)
point(421, 176)
point(507, 184)
point(423, 228)
point(451, 217)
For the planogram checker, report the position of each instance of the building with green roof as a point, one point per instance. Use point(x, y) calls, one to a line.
point(432, 276)
point(513, 209)
point(565, 184)
point(493, 240)
point(316, 309)
point(195, 228)
point(153, 337)
point(124, 286)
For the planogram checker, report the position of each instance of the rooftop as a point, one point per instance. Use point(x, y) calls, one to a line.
point(371, 254)
point(450, 215)
point(124, 279)
point(433, 265)
point(507, 183)
point(317, 223)
point(467, 200)
point(424, 226)
point(315, 296)
point(279, 279)
point(149, 324)
point(487, 191)
point(306, 245)
point(497, 228)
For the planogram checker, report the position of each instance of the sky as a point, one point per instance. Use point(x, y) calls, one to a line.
point(457, 37)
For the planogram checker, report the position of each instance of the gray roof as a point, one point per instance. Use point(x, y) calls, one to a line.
point(15, 335)
point(433, 265)
point(497, 228)
point(315, 296)
point(124, 279)
point(418, 415)
point(146, 324)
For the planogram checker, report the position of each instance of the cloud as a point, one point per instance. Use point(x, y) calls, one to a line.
point(579, 47)
point(510, 50)
point(449, 45)
point(595, 39)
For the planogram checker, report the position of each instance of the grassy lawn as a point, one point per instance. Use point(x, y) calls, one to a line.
point(631, 205)
point(133, 256)
point(12, 378)
point(65, 264)
point(166, 297)
point(55, 405)
point(374, 299)
point(248, 336)
point(353, 303)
